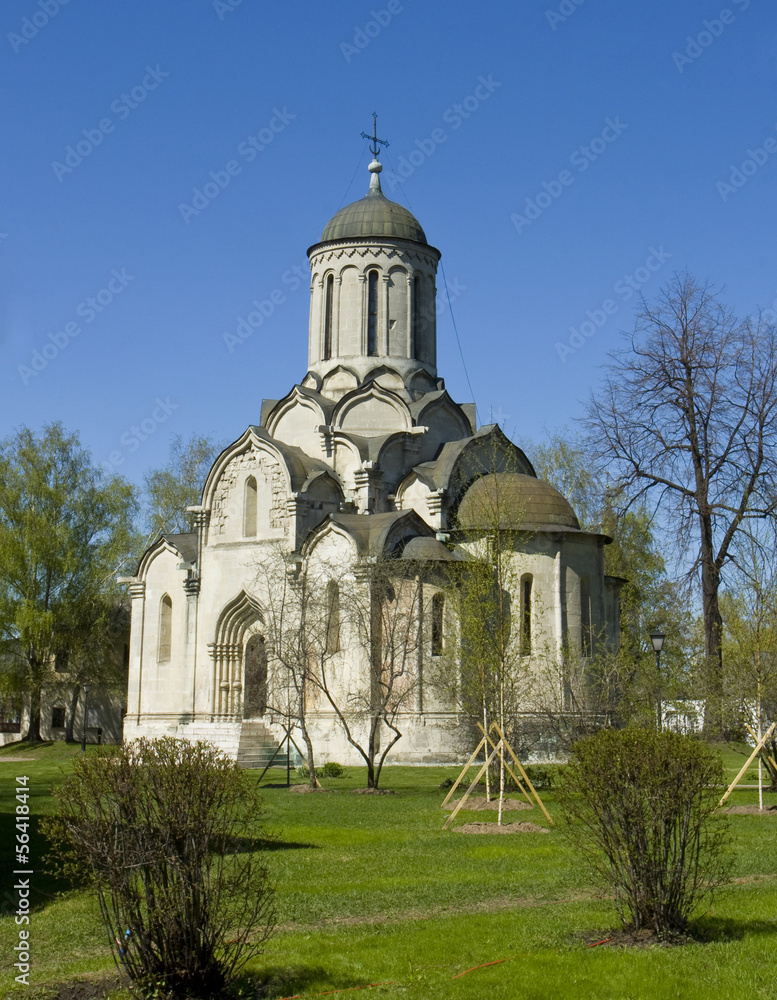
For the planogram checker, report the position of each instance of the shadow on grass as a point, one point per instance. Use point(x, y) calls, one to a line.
point(45, 884)
point(710, 929)
point(287, 982)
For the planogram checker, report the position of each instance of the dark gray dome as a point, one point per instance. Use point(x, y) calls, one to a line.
point(511, 500)
point(374, 215)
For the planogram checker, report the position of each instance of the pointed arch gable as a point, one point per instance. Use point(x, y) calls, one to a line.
point(300, 398)
point(327, 532)
point(236, 617)
point(162, 546)
point(339, 381)
point(372, 410)
point(444, 418)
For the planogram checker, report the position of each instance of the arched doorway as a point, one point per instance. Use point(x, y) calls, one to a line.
point(254, 677)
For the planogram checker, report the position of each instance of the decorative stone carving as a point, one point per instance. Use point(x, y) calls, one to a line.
point(256, 461)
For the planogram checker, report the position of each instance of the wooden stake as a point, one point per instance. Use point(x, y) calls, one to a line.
point(758, 747)
point(512, 774)
point(520, 767)
point(463, 771)
point(468, 792)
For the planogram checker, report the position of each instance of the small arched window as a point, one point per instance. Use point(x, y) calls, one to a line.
point(438, 613)
point(249, 508)
point(585, 616)
point(526, 614)
point(165, 630)
point(372, 313)
point(417, 312)
point(332, 617)
point(328, 296)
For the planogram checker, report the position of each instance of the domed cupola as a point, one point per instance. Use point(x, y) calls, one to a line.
point(374, 215)
point(373, 293)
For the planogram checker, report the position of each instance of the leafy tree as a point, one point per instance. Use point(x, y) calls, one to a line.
point(168, 831)
point(65, 531)
point(619, 685)
point(749, 608)
point(686, 421)
point(497, 621)
point(178, 485)
point(642, 806)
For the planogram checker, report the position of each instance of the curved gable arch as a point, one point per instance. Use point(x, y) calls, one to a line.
point(297, 414)
point(372, 410)
point(250, 455)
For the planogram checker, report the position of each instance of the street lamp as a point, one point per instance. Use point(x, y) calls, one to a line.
point(657, 638)
point(86, 707)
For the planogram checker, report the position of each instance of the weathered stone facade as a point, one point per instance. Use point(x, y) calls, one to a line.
point(367, 454)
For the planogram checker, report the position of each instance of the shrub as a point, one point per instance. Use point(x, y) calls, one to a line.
point(333, 770)
point(642, 805)
point(169, 831)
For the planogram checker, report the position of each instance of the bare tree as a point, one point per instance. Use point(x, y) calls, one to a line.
point(381, 612)
point(300, 621)
point(686, 419)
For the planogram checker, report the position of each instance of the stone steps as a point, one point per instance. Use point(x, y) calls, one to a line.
point(257, 746)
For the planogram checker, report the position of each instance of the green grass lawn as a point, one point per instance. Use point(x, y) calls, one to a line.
point(370, 889)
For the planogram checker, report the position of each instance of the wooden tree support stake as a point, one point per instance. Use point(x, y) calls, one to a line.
point(497, 750)
point(758, 747)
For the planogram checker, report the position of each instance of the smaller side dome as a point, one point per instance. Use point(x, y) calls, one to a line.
point(510, 500)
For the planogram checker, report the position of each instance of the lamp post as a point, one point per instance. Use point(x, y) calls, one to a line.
point(657, 638)
point(86, 709)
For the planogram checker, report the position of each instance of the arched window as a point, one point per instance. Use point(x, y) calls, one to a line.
point(526, 598)
point(165, 630)
point(332, 617)
point(418, 315)
point(249, 507)
point(372, 312)
point(328, 296)
point(585, 616)
point(438, 612)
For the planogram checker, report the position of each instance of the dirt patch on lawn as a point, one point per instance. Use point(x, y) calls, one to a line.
point(83, 989)
point(372, 791)
point(742, 810)
point(307, 789)
point(504, 828)
point(14, 760)
point(478, 804)
point(643, 938)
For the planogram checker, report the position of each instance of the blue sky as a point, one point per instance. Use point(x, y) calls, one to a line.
point(560, 155)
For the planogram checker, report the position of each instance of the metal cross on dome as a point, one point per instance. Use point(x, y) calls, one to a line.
point(376, 142)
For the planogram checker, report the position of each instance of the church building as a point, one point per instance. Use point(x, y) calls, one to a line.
point(367, 459)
